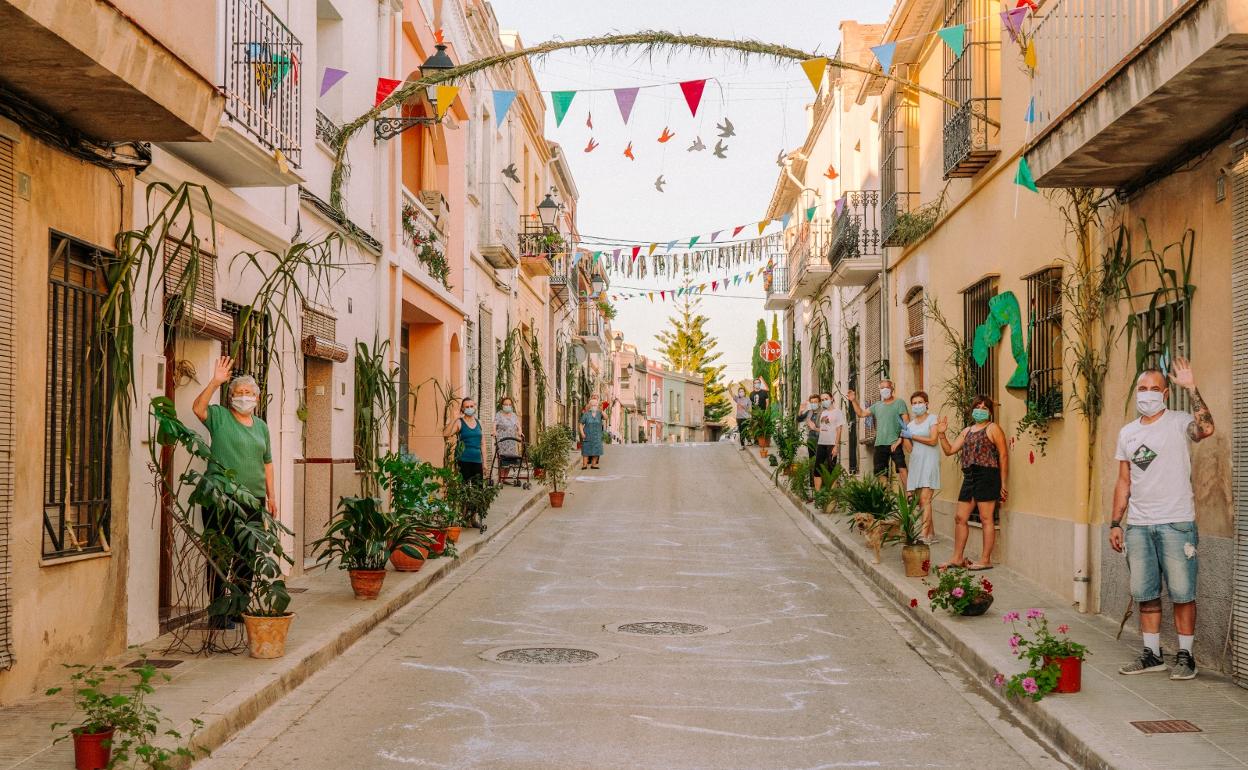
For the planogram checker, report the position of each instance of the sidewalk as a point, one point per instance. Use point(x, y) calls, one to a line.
point(1093, 727)
point(229, 691)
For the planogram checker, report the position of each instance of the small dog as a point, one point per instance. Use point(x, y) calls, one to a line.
point(875, 531)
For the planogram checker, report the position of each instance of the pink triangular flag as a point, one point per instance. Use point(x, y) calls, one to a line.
point(692, 89)
point(715, 235)
point(624, 97)
point(736, 230)
point(330, 79)
point(1012, 20)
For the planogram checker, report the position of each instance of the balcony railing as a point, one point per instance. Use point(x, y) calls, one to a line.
point(263, 61)
point(971, 81)
point(968, 144)
point(425, 243)
point(326, 129)
point(891, 210)
point(589, 324)
point(808, 248)
point(776, 281)
point(500, 238)
point(1079, 42)
point(857, 231)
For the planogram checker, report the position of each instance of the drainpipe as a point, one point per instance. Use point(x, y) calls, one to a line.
point(1082, 553)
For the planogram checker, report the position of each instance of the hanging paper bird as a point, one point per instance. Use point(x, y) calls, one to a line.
point(665, 136)
point(720, 149)
point(780, 159)
point(510, 172)
point(589, 121)
point(831, 172)
point(697, 145)
point(591, 146)
point(628, 151)
point(658, 183)
point(726, 129)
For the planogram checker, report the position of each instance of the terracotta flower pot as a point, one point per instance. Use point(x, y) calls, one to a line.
point(556, 499)
point(439, 540)
point(762, 451)
point(1070, 674)
point(764, 442)
point(367, 582)
point(917, 558)
point(452, 534)
point(979, 606)
point(92, 750)
point(266, 636)
point(404, 563)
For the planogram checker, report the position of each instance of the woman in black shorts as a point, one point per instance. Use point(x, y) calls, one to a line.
point(985, 466)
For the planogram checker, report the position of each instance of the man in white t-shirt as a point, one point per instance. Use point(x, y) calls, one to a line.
point(1154, 494)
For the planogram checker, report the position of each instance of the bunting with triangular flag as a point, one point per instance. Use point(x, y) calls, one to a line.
point(561, 100)
point(385, 87)
point(624, 98)
point(693, 240)
point(330, 79)
point(1030, 117)
point(736, 230)
point(1012, 21)
point(814, 69)
point(445, 96)
point(884, 55)
point(784, 220)
point(1024, 177)
point(502, 104)
point(762, 225)
point(954, 37)
point(810, 213)
point(636, 251)
point(692, 89)
point(1029, 55)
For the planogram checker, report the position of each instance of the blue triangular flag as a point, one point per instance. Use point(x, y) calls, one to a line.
point(954, 37)
point(502, 103)
point(1031, 111)
point(884, 54)
point(784, 220)
point(670, 245)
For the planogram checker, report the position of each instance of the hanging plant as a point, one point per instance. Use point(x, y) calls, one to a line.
point(822, 349)
point(959, 388)
point(913, 225)
point(606, 309)
point(1040, 411)
point(424, 243)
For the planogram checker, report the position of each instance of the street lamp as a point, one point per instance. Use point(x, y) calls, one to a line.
point(439, 62)
point(547, 210)
point(598, 283)
point(387, 128)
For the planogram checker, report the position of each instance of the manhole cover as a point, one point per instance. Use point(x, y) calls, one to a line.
point(549, 655)
point(1160, 726)
point(663, 628)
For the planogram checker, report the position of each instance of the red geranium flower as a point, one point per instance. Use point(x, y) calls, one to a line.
point(914, 602)
point(931, 592)
point(927, 564)
point(987, 586)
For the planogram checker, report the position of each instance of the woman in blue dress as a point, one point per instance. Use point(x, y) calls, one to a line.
point(466, 430)
point(591, 436)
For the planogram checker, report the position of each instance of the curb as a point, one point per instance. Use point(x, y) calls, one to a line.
point(1072, 741)
point(222, 720)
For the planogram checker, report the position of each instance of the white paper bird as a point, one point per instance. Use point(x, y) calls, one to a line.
point(510, 172)
point(658, 183)
point(697, 145)
point(725, 129)
point(720, 149)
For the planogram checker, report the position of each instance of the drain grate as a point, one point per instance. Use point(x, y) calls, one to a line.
point(662, 628)
point(547, 656)
point(154, 663)
point(1163, 726)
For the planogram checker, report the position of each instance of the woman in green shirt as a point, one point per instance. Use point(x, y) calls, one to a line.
point(240, 443)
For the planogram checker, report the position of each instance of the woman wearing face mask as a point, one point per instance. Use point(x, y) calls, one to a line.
point(985, 468)
point(742, 403)
point(240, 443)
point(832, 424)
point(509, 436)
point(466, 430)
point(924, 477)
point(591, 436)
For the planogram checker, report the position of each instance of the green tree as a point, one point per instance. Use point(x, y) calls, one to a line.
point(758, 366)
point(687, 347)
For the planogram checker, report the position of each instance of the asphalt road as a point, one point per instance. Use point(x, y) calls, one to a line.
point(795, 662)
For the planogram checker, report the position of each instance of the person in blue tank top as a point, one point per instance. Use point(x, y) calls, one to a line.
point(466, 430)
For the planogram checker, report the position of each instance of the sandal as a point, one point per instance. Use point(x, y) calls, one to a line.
point(942, 567)
point(973, 567)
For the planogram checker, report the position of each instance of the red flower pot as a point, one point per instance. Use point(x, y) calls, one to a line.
point(556, 499)
point(1070, 676)
point(92, 750)
point(439, 540)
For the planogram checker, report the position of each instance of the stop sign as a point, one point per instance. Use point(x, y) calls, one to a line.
point(770, 351)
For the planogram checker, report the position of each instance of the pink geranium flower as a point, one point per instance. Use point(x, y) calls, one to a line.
point(998, 680)
point(1014, 640)
point(1010, 616)
point(1063, 628)
point(1030, 686)
point(1034, 613)
point(958, 592)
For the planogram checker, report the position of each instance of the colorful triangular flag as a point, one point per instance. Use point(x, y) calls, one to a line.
point(1024, 177)
point(884, 55)
point(737, 230)
point(784, 220)
point(1029, 55)
point(561, 100)
point(763, 225)
point(502, 104)
point(653, 246)
point(814, 69)
point(693, 240)
point(840, 206)
point(625, 97)
point(954, 37)
point(1012, 20)
point(445, 96)
point(330, 79)
point(385, 87)
point(810, 213)
point(670, 245)
point(1030, 117)
point(692, 89)
point(636, 251)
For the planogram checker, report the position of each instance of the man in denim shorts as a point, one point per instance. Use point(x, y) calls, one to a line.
point(1154, 493)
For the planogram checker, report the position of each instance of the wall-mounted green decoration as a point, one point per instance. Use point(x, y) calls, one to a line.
point(1003, 310)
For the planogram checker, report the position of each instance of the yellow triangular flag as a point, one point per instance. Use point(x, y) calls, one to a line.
point(763, 225)
point(750, 278)
point(1029, 56)
point(653, 246)
point(814, 71)
point(445, 96)
point(282, 166)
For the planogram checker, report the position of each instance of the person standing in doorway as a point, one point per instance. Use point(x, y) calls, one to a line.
point(466, 430)
point(1154, 495)
point(923, 474)
point(890, 415)
point(239, 442)
point(985, 471)
point(832, 424)
point(591, 437)
point(742, 403)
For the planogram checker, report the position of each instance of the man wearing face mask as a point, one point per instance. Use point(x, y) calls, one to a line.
point(239, 441)
point(742, 403)
point(891, 415)
point(1154, 495)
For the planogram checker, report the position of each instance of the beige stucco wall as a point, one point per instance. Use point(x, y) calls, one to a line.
point(190, 30)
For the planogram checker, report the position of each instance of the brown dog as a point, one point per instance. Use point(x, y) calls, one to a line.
point(874, 530)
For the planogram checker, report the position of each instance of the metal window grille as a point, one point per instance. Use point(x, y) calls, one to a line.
point(975, 312)
point(7, 375)
point(77, 455)
point(473, 386)
point(898, 158)
point(1044, 347)
point(1164, 333)
point(972, 81)
point(251, 356)
point(263, 66)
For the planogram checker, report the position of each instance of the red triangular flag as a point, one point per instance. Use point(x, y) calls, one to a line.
point(692, 89)
point(636, 251)
point(714, 285)
point(385, 87)
point(737, 229)
point(663, 295)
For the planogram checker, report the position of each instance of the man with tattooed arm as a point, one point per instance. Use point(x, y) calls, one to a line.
point(1154, 495)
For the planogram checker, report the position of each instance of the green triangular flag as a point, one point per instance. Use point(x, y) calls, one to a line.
point(560, 100)
point(954, 37)
point(1024, 176)
point(693, 240)
point(810, 213)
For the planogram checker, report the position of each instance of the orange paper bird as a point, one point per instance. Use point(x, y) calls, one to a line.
point(591, 146)
point(666, 135)
point(628, 151)
point(830, 173)
point(589, 120)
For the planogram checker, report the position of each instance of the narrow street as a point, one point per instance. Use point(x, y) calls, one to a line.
point(794, 663)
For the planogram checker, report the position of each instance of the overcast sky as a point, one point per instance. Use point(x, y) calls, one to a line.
point(766, 103)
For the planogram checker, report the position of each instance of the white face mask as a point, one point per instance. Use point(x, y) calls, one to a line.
point(918, 409)
point(813, 405)
point(886, 393)
point(244, 404)
point(826, 404)
point(506, 408)
point(1150, 402)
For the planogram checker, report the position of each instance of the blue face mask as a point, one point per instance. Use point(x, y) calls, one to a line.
point(980, 415)
point(470, 410)
point(918, 409)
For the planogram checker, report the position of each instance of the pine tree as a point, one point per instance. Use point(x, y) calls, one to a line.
point(687, 347)
point(758, 366)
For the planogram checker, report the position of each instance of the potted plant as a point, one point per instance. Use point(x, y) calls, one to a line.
point(265, 613)
point(552, 450)
point(118, 726)
point(827, 499)
point(470, 502)
point(417, 497)
point(915, 554)
point(788, 438)
point(961, 593)
point(362, 536)
point(1054, 661)
point(762, 426)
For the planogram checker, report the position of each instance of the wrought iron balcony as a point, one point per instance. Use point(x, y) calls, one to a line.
point(263, 60)
point(500, 217)
point(855, 252)
point(538, 246)
point(892, 211)
point(968, 143)
point(776, 286)
point(808, 245)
